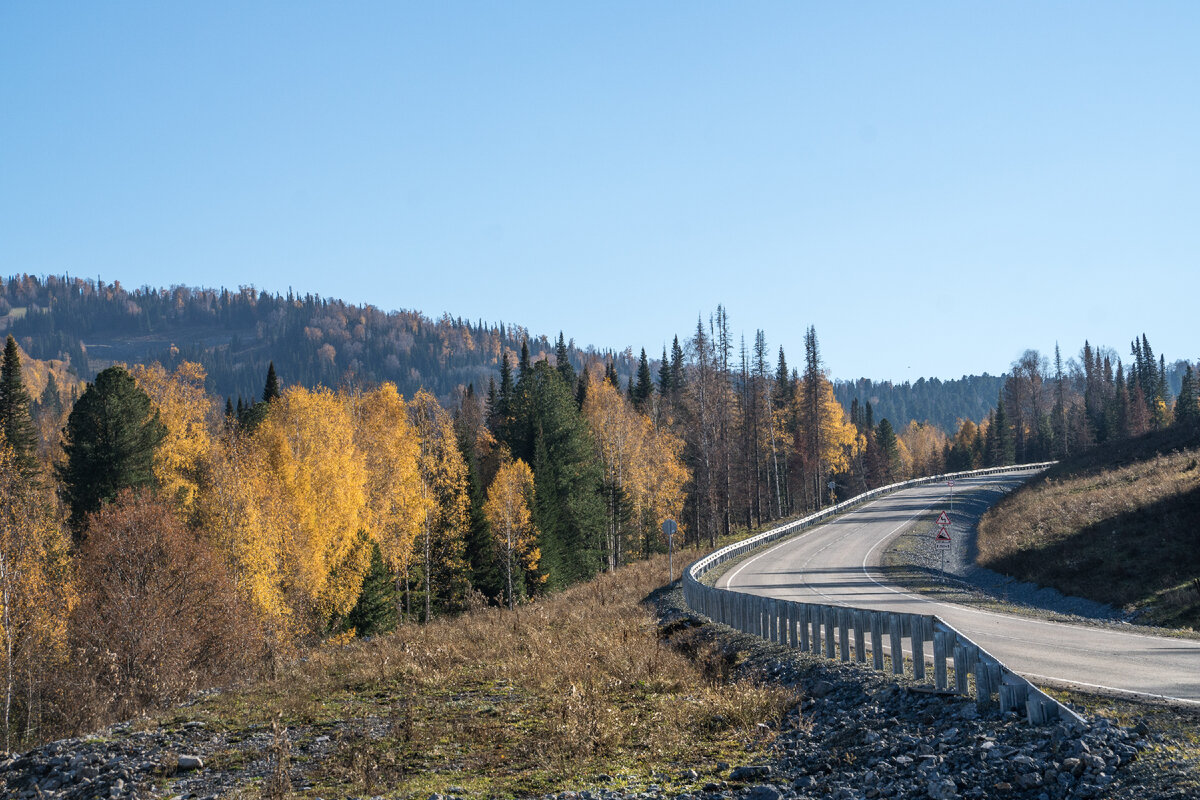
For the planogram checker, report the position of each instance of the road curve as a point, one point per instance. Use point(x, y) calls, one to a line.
point(838, 563)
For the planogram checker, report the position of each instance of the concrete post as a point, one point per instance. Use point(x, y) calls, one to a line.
point(830, 626)
point(917, 637)
point(860, 649)
point(895, 629)
point(877, 640)
point(804, 615)
point(941, 648)
point(843, 621)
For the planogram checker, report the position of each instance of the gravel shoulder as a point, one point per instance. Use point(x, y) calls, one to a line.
point(912, 561)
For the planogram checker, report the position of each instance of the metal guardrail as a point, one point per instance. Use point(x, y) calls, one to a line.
point(830, 629)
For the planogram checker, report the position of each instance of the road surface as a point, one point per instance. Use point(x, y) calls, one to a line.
point(838, 563)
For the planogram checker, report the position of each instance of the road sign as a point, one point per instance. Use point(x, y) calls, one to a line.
point(942, 540)
point(669, 527)
point(943, 520)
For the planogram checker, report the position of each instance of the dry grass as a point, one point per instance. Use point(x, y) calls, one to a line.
point(1127, 534)
point(517, 703)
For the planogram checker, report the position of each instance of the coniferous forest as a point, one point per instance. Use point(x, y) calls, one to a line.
point(198, 485)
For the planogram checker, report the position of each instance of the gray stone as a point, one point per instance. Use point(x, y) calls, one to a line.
point(942, 789)
point(750, 773)
point(190, 763)
point(763, 791)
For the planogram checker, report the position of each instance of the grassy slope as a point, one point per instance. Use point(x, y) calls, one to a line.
point(512, 704)
point(1120, 525)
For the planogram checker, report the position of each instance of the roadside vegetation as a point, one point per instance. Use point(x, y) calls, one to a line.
point(576, 685)
point(1120, 525)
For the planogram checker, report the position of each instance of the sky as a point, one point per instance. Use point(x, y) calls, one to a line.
point(936, 187)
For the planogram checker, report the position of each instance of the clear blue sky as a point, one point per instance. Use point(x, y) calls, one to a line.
point(936, 187)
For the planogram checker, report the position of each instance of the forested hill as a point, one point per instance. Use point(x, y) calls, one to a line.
point(314, 341)
point(942, 403)
point(235, 334)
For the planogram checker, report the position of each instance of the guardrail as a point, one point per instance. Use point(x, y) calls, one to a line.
point(830, 629)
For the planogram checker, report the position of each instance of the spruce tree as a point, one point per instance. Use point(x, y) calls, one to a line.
point(15, 420)
point(111, 437)
point(645, 384)
point(271, 388)
point(664, 375)
point(1187, 411)
point(51, 401)
point(562, 361)
point(677, 368)
point(375, 611)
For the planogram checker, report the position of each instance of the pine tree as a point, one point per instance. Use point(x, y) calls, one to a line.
point(677, 373)
point(15, 420)
point(1187, 412)
point(645, 384)
point(111, 437)
point(271, 388)
point(375, 611)
point(1006, 445)
point(664, 376)
point(523, 364)
point(562, 361)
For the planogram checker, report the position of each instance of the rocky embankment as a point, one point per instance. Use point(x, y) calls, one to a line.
point(857, 735)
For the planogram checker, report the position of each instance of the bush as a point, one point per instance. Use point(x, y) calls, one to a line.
point(159, 615)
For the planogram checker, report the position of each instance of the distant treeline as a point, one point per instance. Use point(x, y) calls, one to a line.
point(234, 335)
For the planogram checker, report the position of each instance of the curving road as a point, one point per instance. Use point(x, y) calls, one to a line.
point(838, 563)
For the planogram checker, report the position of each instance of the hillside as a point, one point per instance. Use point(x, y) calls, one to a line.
point(1119, 524)
point(236, 334)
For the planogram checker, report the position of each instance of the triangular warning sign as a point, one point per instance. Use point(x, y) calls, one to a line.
point(943, 519)
point(943, 535)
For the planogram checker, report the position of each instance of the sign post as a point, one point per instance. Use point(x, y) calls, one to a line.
point(951, 485)
point(669, 527)
point(942, 541)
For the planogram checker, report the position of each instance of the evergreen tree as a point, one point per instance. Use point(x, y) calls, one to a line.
point(111, 437)
point(1187, 411)
point(562, 361)
point(15, 420)
point(645, 384)
point(271, 388)
point(485, 574)
point(1006, 445)
point(375, 611)
point(664, 376)
point(582, 387)
point(677, 372)
point(523, 364)
point(570, 514)
point(889, 452)
point(51, 401)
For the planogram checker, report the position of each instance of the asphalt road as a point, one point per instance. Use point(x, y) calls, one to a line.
point(838, 563)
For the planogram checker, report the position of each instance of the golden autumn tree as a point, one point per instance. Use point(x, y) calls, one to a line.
point(443, 564)
point(189, 415)
point(245, 514)
point(397, 504)
point(828, 441)
point(36, 594)
point(508, 509)
point(644, 472)
point(925, 446)
point(314, 470)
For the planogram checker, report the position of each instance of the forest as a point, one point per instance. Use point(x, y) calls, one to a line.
point(158, 537)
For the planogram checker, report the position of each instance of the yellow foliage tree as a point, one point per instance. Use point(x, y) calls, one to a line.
point(644, 472)
point(924, 449)
point(508, 510)
point(190, 416)
point(36, 593)
point(314, 468)
point(397, 503)
point(444, 484)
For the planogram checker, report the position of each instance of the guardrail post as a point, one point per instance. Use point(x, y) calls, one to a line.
point(895, 631)
point(793, 613)
point(962, 667)
point(917, 623)
point(804, 617)
point(830, 625)
point(942, 642)
point(843, 621)
point(1013, 696)
point(877, 640)
point(860, 650)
